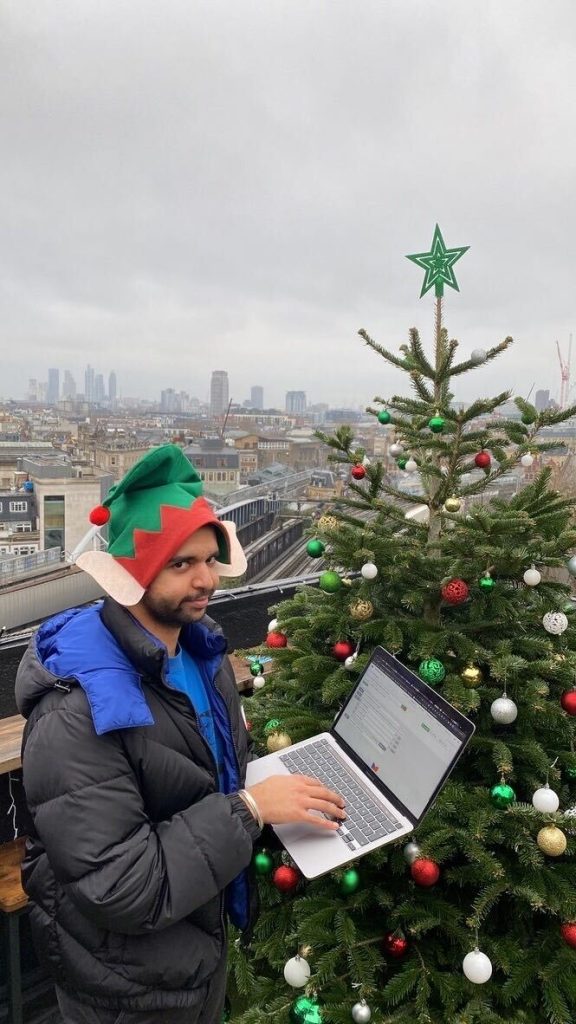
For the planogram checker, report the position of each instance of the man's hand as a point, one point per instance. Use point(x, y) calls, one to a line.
point(288, 798)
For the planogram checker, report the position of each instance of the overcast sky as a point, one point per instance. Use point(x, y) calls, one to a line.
point(190, 185)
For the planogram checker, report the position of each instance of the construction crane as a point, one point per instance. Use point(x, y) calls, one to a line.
point(565, 374)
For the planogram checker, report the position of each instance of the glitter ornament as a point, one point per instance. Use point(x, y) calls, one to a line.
point(527, 459)
point(532, 577)
point(286, 878)
point(315, 548)
point(263, 862)
point(483, 460)
point(99, 516)
point(369, 571)
point(471, 676)
point(571, 565)
point(504, 710)
point(327, 522)
point(395, 944)
point(350, 881)
point(436, 424)
point(486, 582)
point(361, 1012)
point(502, 795)
point(272, 725)
point(568, 701)
point(478, 356)
point(452, 504)
point(342, 649)
point(330, 582)
point(477, 967)
point(432, 671)
point(568, 933)
point(256, 668)
point(425, 872)
point(278, 741)
point(395, 449)
point(384, 416)
point(552, 841)
point(555, 623)
point(361, 610)
point(546, 800)
point(276, 640)
point(411, 466)
point(306, 1010)
point(297, 972)
point(411, 852)
point(358, 472)
point(455, 592)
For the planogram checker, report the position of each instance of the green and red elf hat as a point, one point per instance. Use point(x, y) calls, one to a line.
point(150, 513)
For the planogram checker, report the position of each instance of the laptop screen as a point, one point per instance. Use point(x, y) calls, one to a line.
point(403, 732)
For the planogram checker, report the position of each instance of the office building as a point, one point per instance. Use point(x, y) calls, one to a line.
point(542, 400)
point(296, 402)
point(69, 386)
point(53, 393)
point(99, 389)
point(218, 392)
point(257, 397)
point(112, 387)
point(89, 383)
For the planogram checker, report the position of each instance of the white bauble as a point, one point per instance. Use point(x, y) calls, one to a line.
point(477, 967)
point(504, 711)
point(258, 682)
point(527, 459)
point(571, 565)
point(411, 852)
point(555, 623)
point(369, 571)
point(532, 577)
point(546, 800)
point(396, 449)
point(478, 356)
point(297, 972)
point(350, 662)
point(411, 466)
point(273, 625)
point(361, 1012)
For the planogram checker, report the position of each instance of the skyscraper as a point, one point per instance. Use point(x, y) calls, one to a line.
point(89, 383)
point(257, 397)
point(69, 386)
point(53, 393)
point(218, 392)
point(296, 402)
point(112, 387)
point(99, 390)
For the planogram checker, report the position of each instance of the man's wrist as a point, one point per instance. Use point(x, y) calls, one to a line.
point(252, 806)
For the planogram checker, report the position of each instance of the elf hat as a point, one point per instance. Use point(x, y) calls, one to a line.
point(150, 513)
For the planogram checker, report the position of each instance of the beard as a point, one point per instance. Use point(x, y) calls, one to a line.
point(171, 613)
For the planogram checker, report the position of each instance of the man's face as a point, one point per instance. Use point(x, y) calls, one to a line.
point(180, 592)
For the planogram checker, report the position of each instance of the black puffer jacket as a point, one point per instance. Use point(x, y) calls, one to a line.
point(134, 846)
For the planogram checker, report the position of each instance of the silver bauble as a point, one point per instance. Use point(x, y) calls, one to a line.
point(350, 662)
point(571, 565)
point(411, 852)
point(478, 356)
point(527, 459)
point(532, 577)
point(273, 625)
point(555, 623)
point(396, 449)
point(504, 711)
point(369, 571)
point(361, 1012)
point(297, 972)
point(411, 466)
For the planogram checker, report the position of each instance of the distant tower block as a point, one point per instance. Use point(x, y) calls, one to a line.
point(218, 392)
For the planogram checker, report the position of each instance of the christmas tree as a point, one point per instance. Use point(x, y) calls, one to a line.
point(473, 921)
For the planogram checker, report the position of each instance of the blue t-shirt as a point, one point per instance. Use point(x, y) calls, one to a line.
point(184, 674)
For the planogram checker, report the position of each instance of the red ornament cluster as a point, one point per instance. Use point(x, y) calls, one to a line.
point(395, 945)
point(483, 460)
point(276, 640)
point(358, 472)
point(342, 649)
point(425, 871)
point(568, 701)
point(286, 878)
point(455, 592)
point(568, 932)
point(99, 515)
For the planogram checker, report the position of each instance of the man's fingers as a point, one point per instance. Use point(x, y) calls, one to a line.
point(322, 792)
point(313, 819)
point(327, 808)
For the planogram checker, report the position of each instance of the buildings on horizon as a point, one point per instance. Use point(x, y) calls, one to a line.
point(218, 392)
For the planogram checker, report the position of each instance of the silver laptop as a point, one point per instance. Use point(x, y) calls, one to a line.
point(390, 750)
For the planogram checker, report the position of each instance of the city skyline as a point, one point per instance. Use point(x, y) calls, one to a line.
point(257, 178)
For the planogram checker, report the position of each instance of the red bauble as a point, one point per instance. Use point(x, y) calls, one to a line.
point(342, 649)
point(99, 515)
point(568, 701)
point(395, 945)
point(455, 592)
point(358, 472)
point(276, 640)
point(425, 871)
point(286, 878)
point(482, 460)
point(568, 932)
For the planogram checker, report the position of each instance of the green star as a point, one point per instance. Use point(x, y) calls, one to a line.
point(438, 264)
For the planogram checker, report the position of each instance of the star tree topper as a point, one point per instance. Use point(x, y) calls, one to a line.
point(438, 264)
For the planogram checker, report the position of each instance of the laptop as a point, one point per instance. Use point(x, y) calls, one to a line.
point(390, 750)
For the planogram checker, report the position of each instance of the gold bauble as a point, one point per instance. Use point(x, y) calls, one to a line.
point(551, 841)
point(278, 741)
point(361, 610)
point(327, 523)
point(453, 504)
point(471, 676)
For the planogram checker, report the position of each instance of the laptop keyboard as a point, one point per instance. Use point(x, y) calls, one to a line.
point(366, 819)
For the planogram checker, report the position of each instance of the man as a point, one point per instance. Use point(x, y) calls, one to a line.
point(134, 758)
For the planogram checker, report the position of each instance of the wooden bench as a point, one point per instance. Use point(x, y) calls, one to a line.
point(13, 903)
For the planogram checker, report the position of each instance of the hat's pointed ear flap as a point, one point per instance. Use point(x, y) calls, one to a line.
point(238, 564)
point(114, 579)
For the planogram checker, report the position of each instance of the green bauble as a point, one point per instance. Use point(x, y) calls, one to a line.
point(487, 583)
point(263, 862)
point(256, 668)
point(350, 881)
point(527, 418)
point(384, 416)
point(502, 795)
point(401, 462)
point(315, 548)
point(432, 671)
point(330, 582)
point(436, 424)
point(305, 1010)
point(272, 725)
